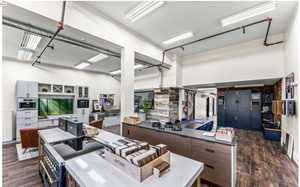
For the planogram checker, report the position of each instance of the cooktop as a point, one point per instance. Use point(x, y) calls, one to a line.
point(72, 148)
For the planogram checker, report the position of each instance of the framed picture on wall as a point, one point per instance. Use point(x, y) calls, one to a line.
point(289, 86)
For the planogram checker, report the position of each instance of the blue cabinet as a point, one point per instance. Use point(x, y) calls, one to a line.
point(241, 109)
point(272, 134)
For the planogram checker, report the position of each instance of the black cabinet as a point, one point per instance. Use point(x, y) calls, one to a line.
point(221, 110)
point(241, 109)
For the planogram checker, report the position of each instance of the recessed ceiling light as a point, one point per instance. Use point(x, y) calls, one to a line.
point(24, 55)
point(178, 38)
point(82, 65)
point(30, 41)
point(97, 58)
point(143, 9)
point(249, 13)
point(138, 66)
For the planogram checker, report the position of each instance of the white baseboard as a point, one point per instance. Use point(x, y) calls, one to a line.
point(295, 158)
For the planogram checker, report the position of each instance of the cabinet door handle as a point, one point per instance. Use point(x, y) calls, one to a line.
point(210, 150)
point(210, 166)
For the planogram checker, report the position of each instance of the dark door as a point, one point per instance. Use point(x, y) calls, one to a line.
point(221, 110)
point(244, 109)
point(231, 108)
point(207, 107)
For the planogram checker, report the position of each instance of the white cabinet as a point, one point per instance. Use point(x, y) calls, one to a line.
point(26, 119)
point(32, 89)
point(27, 89)
point(82, 92)
point(83, 115)
point(27, 114)
point(21, 88)
point(111, 121)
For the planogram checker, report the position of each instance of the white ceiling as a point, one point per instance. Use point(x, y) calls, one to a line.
point(64, 54)
point(203, 18)
point(173, 18)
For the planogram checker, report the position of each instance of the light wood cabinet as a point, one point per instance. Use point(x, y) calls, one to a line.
point(217, 158)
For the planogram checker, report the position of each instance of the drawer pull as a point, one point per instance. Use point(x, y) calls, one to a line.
point(209, 166)
point(210, 150)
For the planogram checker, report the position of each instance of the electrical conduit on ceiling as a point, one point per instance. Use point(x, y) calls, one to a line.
point(265, 43)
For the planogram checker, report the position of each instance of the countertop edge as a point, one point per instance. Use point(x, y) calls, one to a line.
point(233, 143)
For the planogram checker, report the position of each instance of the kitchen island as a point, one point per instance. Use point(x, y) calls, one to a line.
point(91, 169)
point(218, 156)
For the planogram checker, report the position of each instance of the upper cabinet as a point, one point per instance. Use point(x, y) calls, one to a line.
point(27, 89)
point(82, 92)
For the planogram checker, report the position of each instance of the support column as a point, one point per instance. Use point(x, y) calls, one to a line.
point(127, 83)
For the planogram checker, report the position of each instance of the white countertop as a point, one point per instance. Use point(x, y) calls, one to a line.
point(55, 135)
point(92, 170)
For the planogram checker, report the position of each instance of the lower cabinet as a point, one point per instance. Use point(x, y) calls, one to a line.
point(219, 165)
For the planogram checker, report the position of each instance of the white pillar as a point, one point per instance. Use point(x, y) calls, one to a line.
point(127, 83)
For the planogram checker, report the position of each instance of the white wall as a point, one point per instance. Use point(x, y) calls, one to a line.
point(14, 70)
point(151, 78)
point(290, 124)
point(200, 104)
point(244, 61)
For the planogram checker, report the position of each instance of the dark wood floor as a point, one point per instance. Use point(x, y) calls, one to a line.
point(259, 163)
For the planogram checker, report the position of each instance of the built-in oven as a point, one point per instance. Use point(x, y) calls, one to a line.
point(82, 103)
point(26, 104)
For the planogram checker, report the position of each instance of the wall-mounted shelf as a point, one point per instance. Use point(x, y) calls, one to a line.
point(56, 89)
point(57, 94)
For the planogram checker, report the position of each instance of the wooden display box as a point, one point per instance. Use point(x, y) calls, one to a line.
point(138, 173)
point(225, 137)
point(132, 120)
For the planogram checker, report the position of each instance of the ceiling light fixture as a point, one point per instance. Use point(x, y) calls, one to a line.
point(178, 38)
point(82, 65)
point(143, 9)
point(24, 55)
point(98, 58)
point(138, 66)
point(249, 13)
point(30, 41)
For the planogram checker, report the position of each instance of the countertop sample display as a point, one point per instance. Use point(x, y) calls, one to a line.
point(92, 170)
point(186, 132)
point(55, 135)
point(219, 157)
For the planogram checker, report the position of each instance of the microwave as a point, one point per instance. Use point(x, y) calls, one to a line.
point(82, 103)
point(26, 104)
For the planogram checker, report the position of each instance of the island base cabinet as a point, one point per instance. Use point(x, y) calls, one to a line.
point(71, 181)
point(216, 157)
